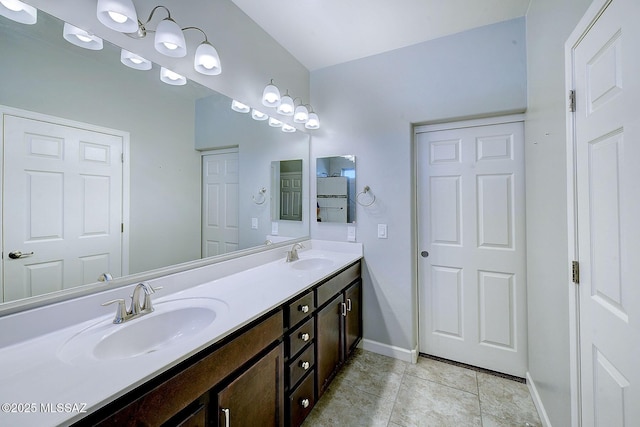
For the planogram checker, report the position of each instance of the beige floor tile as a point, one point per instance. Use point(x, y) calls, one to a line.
point(426, 403)
point(445, 374)
point(489, 420)
point(350, 407)
point(506, 400)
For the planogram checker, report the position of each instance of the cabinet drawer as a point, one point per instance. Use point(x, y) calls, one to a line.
point(300, 308)
point(301, 365)
point(301, 400)
point(333, 286)
point(300, 337)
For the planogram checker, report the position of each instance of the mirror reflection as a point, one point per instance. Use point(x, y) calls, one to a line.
point(335, 189)
point(286, 180)
point(164, 133)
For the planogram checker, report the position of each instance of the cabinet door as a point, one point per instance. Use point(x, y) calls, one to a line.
point(255, 398)
point(328, 342)
point(353, 320)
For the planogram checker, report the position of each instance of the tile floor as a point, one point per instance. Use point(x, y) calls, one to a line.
point(374, 390)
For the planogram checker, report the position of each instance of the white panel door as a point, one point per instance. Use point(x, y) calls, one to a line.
point(219, 203)
point(471, 238)
point(291, 196)
point(62, 189)
point(607, 150)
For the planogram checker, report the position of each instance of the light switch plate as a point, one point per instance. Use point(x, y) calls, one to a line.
point(382, 231)
point(274, 228)
point(351, 233)
point(254, 223)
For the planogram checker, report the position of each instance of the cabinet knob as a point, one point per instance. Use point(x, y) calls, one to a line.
point(304, 308)
point(304, 365)
point(305, 403)
point(304, 336)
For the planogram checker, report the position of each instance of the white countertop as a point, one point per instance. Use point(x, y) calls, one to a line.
point(42, 388)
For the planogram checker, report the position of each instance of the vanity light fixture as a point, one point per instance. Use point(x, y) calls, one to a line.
point(285, 107)
point(258, 115)
point(207, 60)
point(169, 39)
point(82, 38)
point(288, 128)
point(271, 95)
point(134, 61)
point(172, 78)
point(313, 122)
point(18, 11)
point(275, 123)
point(240, 107)
point(119, 15)
point(301, 114)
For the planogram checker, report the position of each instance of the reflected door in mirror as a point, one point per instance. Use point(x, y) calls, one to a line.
point(63, 198)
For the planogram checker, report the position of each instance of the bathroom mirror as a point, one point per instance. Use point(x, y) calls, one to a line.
point(287, 190)
point(335, 189)
point(169, 129)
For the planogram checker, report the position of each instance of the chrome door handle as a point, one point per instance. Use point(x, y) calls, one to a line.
point(18, 254)
point(348, 304)
point(226, 416)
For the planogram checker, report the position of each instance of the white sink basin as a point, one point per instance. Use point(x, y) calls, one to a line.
point(311, 264)
point(171, 323)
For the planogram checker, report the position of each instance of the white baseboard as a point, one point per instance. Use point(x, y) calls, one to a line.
point(544, 418)
point(399, 353)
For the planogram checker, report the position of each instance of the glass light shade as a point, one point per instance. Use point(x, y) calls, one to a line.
point(258, 115)
point(301, 115)
point(207, 60)
point(313, 122)
point(286, 107)
point(134, 61)
point(271, 96)
point(169, 39)
point(288, 128)
point(171, 78)
point(239, 107)
point(78, 37)
point(119, 15)
point(274, 122)
point(18, 11)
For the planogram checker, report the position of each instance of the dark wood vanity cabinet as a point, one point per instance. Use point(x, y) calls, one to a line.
point(270, 373)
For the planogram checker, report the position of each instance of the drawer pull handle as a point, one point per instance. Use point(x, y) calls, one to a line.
point(304, 308)
point(304, 365)
point(343, 306)
point(304, 336)
point(304, 403)
point(348, 304)
point(226, 417)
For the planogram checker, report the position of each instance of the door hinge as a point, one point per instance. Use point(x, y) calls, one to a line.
point(122, 157)
point(572, 101)
point(575, 272)
point(122, 227)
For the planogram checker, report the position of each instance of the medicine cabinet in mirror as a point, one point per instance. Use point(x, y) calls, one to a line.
point(167, 128)
point(335, 189)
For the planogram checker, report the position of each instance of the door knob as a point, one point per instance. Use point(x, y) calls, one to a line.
point(424, 254)
point(18, 254)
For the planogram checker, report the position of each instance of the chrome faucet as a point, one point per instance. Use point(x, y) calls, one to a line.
point(135, 309)
point(292, 255)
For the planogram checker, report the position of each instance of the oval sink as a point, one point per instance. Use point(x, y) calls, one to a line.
point(311, 264)
point(171, 323)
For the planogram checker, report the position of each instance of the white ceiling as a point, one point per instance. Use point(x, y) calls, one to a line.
point(320, 33)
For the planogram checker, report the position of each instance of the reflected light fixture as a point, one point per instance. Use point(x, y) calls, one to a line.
point(172, 78)
point(258, 115)
point(274, 122)
point(288, 128)
point(240, 107)
point(119, 15)
point(134, 61)
point(286, 107)
point(271, 95)
point(18, 11)
point(79, 37)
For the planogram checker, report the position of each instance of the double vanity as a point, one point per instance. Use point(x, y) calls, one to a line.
point(253, 340)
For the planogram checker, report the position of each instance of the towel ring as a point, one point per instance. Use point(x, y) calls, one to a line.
point(261, 194)
point(365, 191)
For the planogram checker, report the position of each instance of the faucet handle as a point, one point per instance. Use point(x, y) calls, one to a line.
point(147, 305)
point(121, 311)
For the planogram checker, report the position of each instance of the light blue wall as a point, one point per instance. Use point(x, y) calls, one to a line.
point(367, 108)
point(549, 24)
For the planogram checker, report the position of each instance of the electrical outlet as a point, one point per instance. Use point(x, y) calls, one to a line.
point(351, 233)
point(382, 231)
point(274, 228)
